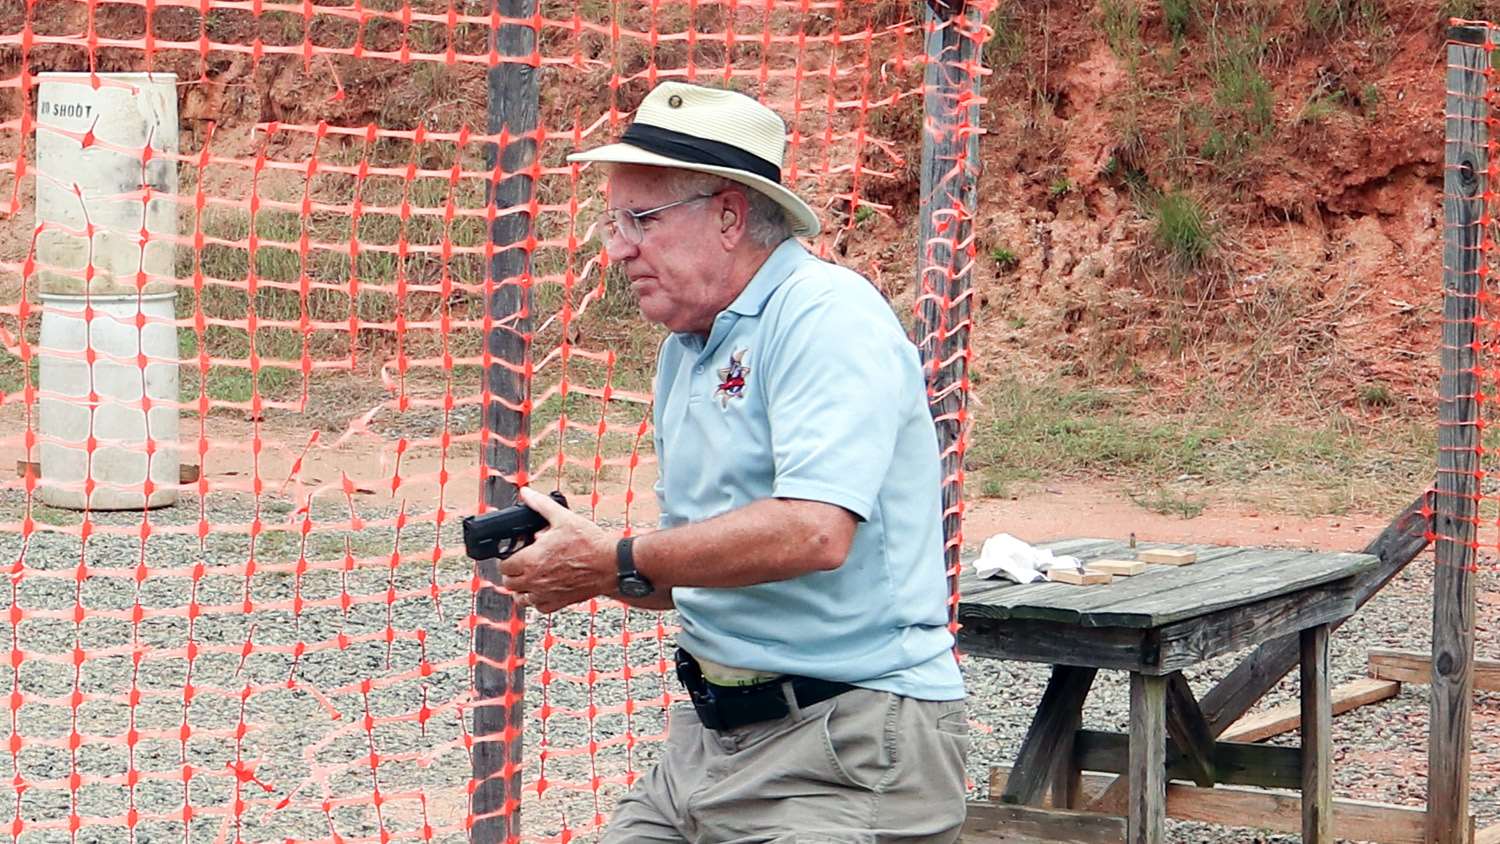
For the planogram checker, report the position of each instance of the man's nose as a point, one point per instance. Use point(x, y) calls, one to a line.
point(618, 248)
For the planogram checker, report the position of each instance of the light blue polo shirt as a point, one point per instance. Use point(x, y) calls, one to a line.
point(807, 387)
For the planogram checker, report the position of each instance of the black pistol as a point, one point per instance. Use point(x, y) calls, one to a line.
point(504, 532)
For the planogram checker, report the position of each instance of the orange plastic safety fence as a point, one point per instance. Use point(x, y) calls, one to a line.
point(1463, 506)
point(244, 256)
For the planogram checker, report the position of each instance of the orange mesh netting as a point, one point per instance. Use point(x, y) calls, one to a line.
point(1463, 504)
point(244, 260)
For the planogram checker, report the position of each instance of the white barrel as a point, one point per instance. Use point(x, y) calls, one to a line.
point(132, 415)
point(106, 158)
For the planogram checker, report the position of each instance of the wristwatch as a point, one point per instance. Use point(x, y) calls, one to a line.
point(633, 584)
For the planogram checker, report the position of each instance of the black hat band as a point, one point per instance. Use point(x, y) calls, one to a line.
point(694, 150)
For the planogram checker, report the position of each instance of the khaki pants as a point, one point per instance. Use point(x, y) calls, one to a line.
point(864, 767)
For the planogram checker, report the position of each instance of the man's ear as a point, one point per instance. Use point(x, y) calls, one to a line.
point(733, 217)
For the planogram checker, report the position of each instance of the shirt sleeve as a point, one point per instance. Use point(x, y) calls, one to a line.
point(840, 378)
point(659, 487)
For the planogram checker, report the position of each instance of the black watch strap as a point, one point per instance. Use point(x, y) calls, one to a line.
point(625, 556)
point(633, 584)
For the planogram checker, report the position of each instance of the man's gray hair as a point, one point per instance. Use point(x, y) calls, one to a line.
point(768, 225)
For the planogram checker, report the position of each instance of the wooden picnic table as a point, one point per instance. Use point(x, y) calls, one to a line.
point(1154, 625)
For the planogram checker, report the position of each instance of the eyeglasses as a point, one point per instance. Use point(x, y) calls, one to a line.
point(624, 224)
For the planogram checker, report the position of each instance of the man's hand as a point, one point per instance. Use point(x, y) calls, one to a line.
point(572, 560)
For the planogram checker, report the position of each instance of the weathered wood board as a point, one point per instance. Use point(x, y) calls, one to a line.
point(1222, 577)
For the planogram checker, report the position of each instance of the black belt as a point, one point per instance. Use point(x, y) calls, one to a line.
point(727, 707)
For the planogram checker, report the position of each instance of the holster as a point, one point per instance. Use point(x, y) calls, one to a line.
point(729, 707)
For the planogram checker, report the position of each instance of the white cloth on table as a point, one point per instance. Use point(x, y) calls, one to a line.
point(1004, 555)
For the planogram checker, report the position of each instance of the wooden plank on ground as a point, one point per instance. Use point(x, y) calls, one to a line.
point(1355, 820)
point(1285, 718)
point(1413, 667)
point(1002, 823)
point(1488, 835)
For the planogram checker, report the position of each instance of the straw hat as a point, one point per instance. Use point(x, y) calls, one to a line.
point(710, 130)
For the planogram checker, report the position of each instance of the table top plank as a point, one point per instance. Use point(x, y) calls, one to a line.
point(1170, 589)
point(1223, 577)
point(1159, 579)
point(1067, 603)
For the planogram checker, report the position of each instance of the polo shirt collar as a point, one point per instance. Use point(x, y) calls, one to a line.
point(777, 267)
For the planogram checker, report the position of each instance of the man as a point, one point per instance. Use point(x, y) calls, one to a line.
point(801, 538)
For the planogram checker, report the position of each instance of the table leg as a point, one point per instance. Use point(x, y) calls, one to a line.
point(1146, 821)
point(1054, 724)
point(1317, 743)
point(1066, 777)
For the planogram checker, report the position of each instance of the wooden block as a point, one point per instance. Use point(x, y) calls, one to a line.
point(1167, 557)
point(1121, 568)
point(1088, 577)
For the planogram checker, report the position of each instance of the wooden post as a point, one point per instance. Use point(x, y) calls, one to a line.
point(1146, 819)
point(1464, 174)
point(945, 260)
point(1317, 738)
point(500, 636)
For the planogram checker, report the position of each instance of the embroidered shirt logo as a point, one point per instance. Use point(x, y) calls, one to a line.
point(732, 378)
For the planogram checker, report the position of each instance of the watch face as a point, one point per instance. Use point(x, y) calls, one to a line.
point(635, 587)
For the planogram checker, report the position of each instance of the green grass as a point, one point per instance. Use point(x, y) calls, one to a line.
point(1003, 257)
point(1321, 107)
point(1178, 15)
point(1181, 463)
point(13, 374)
point(1243, 101)
point(1169, 503)
point(1376, 396)
point(1120, 21)
point(1183, 229)
point(1465, 9)
point(1007, 44)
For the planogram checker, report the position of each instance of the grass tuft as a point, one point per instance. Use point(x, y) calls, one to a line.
point(1183, 229)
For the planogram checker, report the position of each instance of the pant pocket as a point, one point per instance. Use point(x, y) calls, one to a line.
point(859, 737)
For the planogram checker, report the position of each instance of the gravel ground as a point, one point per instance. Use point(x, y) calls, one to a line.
point(280, 742)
